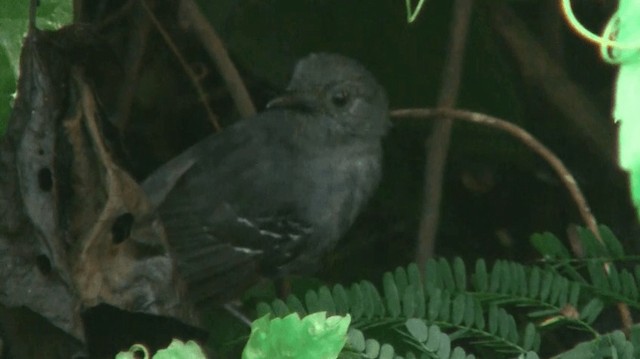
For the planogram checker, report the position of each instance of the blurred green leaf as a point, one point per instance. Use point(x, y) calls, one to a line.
point(620, 45)
point(180, 350)
point(312, 337)
point(14, 20)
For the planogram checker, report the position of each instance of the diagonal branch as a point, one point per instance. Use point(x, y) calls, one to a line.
point(214, 46)
point(525, 137)
point(187, 69)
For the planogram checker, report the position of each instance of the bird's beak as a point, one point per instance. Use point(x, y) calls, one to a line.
point(292, 102)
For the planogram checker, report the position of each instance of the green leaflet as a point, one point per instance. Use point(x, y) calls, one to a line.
point(315, 336)
point(433, 341)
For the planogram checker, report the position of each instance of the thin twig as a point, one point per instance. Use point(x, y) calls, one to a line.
point(214, 46)
point(437, 145)
point(525, 137)
point(33, 9)
point(78, 12)
point(187, 69)
point(136, 49)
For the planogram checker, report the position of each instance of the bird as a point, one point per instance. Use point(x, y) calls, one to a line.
point(271, 194)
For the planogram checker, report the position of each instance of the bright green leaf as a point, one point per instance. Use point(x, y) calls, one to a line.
point(315, 336)
point(180, 350)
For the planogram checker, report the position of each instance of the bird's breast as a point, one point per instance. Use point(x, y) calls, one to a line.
point(337, 184)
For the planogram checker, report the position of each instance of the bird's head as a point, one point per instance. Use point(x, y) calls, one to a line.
point(340, 91)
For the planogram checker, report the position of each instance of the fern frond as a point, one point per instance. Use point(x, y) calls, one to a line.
point(452, 306)
point(488, 308)
point(600, 264)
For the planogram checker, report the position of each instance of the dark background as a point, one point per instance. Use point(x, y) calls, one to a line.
point(496, 191)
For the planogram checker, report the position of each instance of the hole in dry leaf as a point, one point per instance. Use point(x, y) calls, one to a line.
point(44, 264)
point(45, 179)
point(121, 228)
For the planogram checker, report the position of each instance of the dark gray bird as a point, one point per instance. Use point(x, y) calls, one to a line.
point(271, 194)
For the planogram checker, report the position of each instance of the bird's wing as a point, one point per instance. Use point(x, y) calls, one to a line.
point(279, 236)
point(231, 252)
point(227, 217)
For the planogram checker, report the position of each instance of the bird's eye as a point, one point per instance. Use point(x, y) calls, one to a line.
point(340, 99)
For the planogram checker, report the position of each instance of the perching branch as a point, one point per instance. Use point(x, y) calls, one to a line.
point(134, 63)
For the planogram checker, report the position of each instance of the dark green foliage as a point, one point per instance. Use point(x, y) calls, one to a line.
point(497, 312)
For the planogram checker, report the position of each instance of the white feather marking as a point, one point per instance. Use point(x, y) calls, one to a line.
point(246, 222)
point(264, 232)
point(247, 250)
